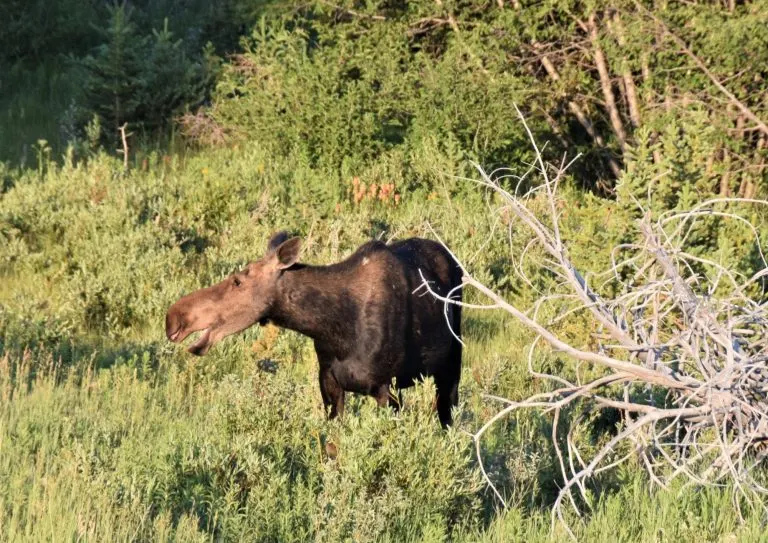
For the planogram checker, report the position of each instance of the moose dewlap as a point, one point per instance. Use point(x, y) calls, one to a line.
point(368, 318)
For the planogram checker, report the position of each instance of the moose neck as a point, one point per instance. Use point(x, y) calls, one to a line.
point(315, 303)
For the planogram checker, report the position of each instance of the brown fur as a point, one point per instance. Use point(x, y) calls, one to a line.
point(368, 325)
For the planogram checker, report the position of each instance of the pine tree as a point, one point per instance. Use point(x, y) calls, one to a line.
point(114, 85)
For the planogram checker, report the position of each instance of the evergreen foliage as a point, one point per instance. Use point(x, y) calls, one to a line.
point(138, 61)
point(142, 80)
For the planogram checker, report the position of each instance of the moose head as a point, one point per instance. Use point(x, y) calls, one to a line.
point(236, 303)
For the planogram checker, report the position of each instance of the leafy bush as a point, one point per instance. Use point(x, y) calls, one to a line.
point(306, 89)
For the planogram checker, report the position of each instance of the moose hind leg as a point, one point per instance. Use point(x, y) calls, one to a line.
point(447, 381)
point(333, 394)
point(447, 398)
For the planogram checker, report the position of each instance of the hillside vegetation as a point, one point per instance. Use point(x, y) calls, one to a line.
point(340, 122)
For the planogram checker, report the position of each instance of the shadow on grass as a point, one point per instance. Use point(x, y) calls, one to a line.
point(479, 327)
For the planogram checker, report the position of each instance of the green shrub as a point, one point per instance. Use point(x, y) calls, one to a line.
point(308, 90)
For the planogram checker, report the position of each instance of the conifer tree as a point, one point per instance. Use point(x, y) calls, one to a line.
point(114, 88)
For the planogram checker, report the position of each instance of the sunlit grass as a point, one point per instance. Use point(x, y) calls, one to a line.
point(109, 432)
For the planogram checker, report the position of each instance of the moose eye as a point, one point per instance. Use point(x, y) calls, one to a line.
point(236, 282)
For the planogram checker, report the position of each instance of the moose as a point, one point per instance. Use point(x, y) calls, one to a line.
point(370, 320)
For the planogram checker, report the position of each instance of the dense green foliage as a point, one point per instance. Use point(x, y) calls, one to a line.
point(339, 87)
point(109, 431)
point(340, 123)
point(140, 62)
point(132, 78)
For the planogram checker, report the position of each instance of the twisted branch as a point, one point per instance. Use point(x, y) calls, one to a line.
point(703, 343)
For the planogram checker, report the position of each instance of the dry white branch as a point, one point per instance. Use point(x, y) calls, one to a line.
point(124, 138)
point(689, 352)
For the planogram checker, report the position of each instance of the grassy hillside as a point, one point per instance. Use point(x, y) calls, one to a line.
point(340, 124)
point(108, 431)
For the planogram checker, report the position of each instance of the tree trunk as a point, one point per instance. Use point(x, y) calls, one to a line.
point(630, 91)
point(645, 68)
point(725, 179)
point(711, 162)
point(576, 110)
point(605, 83)
point(748, 188)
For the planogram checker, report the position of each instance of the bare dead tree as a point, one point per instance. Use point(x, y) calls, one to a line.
point(605, 82)
point(202, 127)
point(575, 108)
point(124, 138)
point(700, 341)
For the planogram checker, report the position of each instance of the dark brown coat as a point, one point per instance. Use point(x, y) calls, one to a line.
point(370, 321)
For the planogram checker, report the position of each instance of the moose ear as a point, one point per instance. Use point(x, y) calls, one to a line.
point(277, 239)
point(288, 253)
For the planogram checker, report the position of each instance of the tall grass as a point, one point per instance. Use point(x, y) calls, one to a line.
point(157, 447)
point(107, 432)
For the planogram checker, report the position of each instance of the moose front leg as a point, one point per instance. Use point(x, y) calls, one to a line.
point(333, 394)
point(385, 396)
